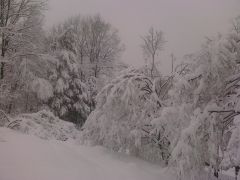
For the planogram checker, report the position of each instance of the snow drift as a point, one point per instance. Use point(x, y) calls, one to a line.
point(45, 125)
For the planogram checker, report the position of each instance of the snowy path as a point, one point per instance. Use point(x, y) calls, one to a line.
point(24, 157)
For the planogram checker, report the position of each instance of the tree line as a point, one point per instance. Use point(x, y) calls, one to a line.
point(188, 120)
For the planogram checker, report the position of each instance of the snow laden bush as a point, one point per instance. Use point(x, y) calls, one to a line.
point(167, 127)
point(197, 145)
point(45, 125)
point(189, 135)
point(231, 125)
point(123, 108)
point(70, 94)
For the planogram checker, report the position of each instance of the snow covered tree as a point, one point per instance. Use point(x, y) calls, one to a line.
point(229, 102)
point(96, 46)
point(123, 108)
point(27, 88)
point(12, 15)
point(70, 95)
point(194, 133)
point(24, 64)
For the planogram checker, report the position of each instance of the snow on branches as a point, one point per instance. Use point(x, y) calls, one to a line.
point(70, 96)
point(124, 106)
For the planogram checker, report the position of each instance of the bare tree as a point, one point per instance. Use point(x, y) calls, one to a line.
point(103, 44)
point(153, 43)
point(236, 24)
point(12, 15)
point(235, 38)
point(97, 43)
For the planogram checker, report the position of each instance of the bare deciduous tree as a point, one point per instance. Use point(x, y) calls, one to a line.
point(153, 43)
point(97, 43)
point(103, 43)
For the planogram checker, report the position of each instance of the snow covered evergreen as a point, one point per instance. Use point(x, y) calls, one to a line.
point(70, 95)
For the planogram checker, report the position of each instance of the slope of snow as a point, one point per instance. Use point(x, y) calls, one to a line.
point(26, 157)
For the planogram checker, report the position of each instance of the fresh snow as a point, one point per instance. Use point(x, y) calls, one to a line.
point(26, 157)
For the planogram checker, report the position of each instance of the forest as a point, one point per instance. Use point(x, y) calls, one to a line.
point(67, 83)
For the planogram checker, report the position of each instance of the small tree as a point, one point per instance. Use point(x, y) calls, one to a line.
point(153, 43)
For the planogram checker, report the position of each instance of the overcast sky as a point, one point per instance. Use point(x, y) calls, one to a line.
point(185, 23)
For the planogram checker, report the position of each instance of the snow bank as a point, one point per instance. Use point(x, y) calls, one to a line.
point(45, 125)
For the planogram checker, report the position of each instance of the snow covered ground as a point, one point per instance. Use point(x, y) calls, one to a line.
point(26, 157)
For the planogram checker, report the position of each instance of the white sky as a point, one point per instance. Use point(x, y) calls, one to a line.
point(185, 23)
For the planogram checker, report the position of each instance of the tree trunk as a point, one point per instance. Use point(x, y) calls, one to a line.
point(2, 70)
point(26, 105)
point(3, 56)
point(237, 168)
point(10, 107)
point(3, 41)
point(153, 64)
point(81, 61)
point(96, 71)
